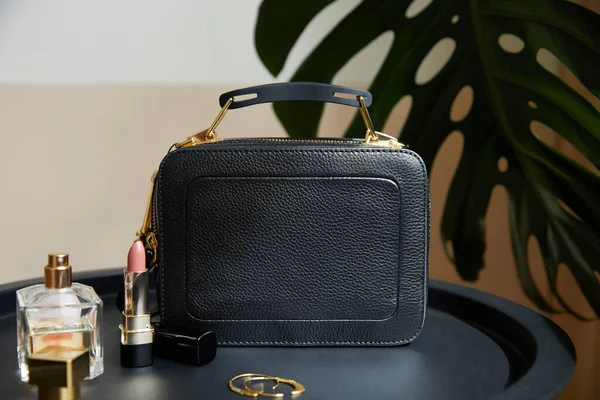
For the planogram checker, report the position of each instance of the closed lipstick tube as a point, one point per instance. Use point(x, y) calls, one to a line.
point(137, 333)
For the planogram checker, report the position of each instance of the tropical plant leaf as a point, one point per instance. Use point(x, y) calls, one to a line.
point(551, 197)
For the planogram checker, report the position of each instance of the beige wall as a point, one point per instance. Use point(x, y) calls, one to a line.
point(77, 162)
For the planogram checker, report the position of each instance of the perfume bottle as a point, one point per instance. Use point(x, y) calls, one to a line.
point(59, 314)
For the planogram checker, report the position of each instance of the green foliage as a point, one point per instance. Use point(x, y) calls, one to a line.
point(510, 91)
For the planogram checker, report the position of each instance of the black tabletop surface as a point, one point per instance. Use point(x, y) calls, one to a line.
point(473, 346)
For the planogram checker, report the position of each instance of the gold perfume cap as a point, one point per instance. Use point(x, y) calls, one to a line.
point(57, 273)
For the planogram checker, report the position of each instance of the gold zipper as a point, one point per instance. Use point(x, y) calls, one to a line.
point(382, 140)
point(147, 233)
point(389, 142)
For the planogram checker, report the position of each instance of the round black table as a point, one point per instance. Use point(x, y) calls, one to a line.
point(473, 346)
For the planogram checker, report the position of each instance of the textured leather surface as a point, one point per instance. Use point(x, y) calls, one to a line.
point(233, 215)
point(328, 246)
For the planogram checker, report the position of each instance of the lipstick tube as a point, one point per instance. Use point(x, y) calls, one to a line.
point(137, 333)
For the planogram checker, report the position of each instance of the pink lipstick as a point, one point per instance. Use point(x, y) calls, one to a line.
point(137, 333)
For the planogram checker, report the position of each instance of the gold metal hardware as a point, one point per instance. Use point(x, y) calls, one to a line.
point(364, 112)
point(147, 224)
point(246, 390)
point(209, 135)
point(220, 116)
point(205, 136)
point(146, 234)
point(372, 136)
point(151, 240)
point(383, 139)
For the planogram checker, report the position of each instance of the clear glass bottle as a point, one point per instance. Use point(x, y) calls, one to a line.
point(61, 314)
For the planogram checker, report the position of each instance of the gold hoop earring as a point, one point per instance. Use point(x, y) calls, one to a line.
point(262, 392)
point(298, 388)
point(250, 392)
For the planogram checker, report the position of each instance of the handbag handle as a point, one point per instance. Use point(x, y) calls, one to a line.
point(295, 91)
point(291, 91)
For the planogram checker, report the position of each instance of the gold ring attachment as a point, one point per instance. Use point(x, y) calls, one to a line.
point(246, 390)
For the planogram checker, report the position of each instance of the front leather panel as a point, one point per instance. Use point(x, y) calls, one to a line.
point(229, 160)
point(292, 248)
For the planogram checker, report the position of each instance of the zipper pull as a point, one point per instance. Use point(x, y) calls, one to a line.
point(209, 135)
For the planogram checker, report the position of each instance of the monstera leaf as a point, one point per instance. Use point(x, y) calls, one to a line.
point(551, 197)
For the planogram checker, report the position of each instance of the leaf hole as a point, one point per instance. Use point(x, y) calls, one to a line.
point(543, 132)
point(551, 63)
point(462, 104)
point(547, 60)
point(571, 151)
point(574, 298)
point(502, 164)
point(316, 30)
point(548, 136)
point(443, 172)
point(416, 7)
point(455, 19)
point(449, 249)
point(532, 104)
point(437, 58)
point(364, 64)
point(511, 43)
point(537, 272)
point(567, 209)
point(398, 116)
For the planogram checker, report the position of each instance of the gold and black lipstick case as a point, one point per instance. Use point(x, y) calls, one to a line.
point(137, 333)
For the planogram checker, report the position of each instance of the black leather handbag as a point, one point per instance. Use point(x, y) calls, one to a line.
point(286, 242)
